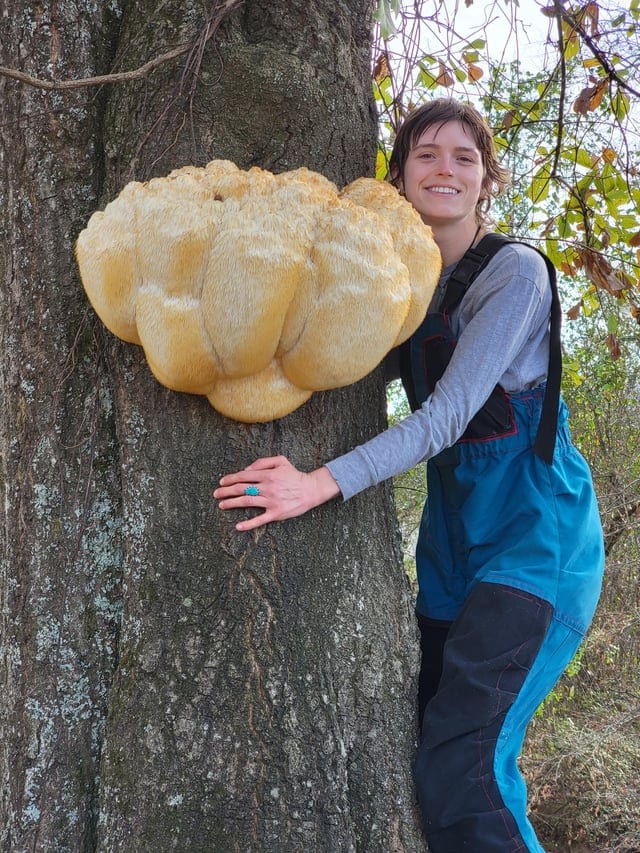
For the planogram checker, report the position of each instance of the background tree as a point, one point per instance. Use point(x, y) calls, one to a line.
point(167, 683)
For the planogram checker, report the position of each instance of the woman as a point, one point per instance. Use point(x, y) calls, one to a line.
point(510, 553)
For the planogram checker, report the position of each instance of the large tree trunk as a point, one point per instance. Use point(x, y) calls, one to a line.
point(168, 683)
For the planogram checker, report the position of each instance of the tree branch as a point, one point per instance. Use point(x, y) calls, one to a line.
point(619, 524)
point(561, 100)
point(602, 58)
point(218, 14)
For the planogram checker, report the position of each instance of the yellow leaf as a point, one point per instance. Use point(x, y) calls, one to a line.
point(609, 155)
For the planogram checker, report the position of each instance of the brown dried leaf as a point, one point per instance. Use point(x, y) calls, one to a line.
point(634, 240)
point(590, 97)
point(600, 272)
point(445, 77)
point(474, 72)
point(549, 226)
point(381, 68)
point(567, 269)
point(507, 119)
point(574, 312)
point(613, 345)
point(592, 14)
point(598, 95)
point(581, 103)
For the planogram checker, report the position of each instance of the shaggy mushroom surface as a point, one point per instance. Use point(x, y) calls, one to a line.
point(257, 289)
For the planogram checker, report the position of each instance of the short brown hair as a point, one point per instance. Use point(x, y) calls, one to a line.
point(440, 111)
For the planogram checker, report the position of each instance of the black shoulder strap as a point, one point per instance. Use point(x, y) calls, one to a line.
point(458, 283)
point(546, 436)
point(469, 266)
point(467, 269)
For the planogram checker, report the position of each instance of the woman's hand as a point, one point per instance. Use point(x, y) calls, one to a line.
point(275, 485)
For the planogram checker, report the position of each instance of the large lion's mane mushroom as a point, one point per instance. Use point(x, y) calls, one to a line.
point(258, 289)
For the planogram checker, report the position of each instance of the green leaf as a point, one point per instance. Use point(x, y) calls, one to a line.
point(428, 80)
point(583, 158)
point(383, 16)
point(460, 73)
point(539, 189)
point(620, 105)
point(612, 324)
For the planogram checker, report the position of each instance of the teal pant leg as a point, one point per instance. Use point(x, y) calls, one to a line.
point(558, 649)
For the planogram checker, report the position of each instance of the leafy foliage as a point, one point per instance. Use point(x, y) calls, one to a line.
point(564, 108)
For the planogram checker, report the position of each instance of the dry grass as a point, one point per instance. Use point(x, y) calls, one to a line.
point(583, 772)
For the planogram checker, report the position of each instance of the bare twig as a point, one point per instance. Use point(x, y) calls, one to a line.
point(100, 80)
point(561, 101)
point(219, 13)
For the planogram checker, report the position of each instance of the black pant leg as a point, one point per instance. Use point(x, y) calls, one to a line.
point(433, 635)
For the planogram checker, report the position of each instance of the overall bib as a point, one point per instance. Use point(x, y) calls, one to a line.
point(510, 560)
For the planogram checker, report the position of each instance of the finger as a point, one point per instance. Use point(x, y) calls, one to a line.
point(243, 502)
point(232, 491)
point(267, 462)
point(256, 521)
point(244, 477)
point(255, 487)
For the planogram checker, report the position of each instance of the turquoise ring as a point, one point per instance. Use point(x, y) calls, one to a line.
point(254, 491)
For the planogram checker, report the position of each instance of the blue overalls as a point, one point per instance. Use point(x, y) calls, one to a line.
point(510, 560)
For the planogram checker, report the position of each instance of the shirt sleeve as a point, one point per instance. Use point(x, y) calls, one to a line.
point(504, 311)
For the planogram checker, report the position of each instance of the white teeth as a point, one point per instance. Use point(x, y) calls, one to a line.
point(445, 190)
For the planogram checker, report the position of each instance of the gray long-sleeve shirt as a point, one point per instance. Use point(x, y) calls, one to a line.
point(502, 326)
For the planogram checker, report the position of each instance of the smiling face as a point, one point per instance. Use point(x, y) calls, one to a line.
point(444, 176)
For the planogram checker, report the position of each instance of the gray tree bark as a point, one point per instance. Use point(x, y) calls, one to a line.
point(167, 683)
